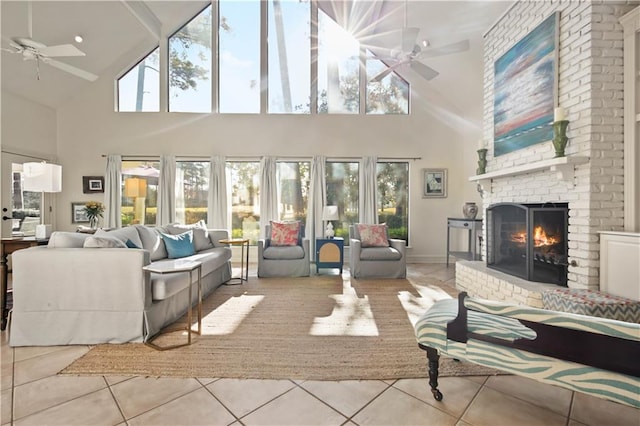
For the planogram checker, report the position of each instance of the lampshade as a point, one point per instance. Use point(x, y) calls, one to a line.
point(135, 187)
point(42, 177)
point(330, 213)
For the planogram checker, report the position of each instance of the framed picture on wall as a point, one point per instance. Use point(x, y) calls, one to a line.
point(525, 89)
point(92, 184)
point(434, 183)
point(78, 213)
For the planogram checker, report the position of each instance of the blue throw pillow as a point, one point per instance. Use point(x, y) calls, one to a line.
point(131, 244)
point(180, 245)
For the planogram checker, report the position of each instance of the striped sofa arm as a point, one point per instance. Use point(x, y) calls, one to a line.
point(597, 325)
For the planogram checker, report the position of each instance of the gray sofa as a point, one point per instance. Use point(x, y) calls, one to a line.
point(67, 293)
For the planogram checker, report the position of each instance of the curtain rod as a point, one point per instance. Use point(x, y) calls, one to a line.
point(253, 157)
point(26, 155)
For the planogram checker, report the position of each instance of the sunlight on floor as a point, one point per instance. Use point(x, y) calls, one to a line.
point(351, 316)
point(228, 316)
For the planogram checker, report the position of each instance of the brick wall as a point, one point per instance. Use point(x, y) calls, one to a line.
point(590, 89)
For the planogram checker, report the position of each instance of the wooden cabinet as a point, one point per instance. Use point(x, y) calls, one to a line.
point(619, 269)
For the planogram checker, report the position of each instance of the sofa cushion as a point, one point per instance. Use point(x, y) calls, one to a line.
point(152, 242)
point(373, 235)
point(123, 234)
point(380, 253)
point(285, 233)
point(201, 240)
point(104, 242)
point(283, 252)
point(165, 285)
point(61, 239)
point(180, 245)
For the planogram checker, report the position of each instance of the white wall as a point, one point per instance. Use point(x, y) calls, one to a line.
point(27, 127)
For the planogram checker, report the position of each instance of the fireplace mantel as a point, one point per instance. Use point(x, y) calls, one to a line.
point(563, 166)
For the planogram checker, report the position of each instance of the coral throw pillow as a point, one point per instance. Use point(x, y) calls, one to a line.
point(373, 235)
point(285, 233)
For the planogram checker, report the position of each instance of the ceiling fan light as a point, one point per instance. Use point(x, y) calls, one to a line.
point(78, 38)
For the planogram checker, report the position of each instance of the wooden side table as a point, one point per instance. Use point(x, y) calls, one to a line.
point(178, 267)
point(10, 245)
point(244, 259)
point(330, 253)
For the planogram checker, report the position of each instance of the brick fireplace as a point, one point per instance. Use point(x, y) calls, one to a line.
point(589, 180)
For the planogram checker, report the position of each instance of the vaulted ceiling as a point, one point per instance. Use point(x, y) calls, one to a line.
point(121, 31)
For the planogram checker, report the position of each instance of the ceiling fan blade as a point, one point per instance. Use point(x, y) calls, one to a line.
point(378, 78)
point(426, 72)
point(448, 49)
point(409, 37)
point(61, 50)
point(70, 69)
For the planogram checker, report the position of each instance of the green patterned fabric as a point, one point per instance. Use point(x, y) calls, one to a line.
point(591, 302)
point(431, 330)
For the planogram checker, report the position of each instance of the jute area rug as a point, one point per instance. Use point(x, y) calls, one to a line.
point(315, 328)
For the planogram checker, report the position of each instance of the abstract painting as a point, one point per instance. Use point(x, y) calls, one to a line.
point(525, 90)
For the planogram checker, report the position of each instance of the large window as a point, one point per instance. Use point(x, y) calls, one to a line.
point(139, 88)
point(245, 199)
point(393, 198)
point(139, 192)
point(283, 71)
point(342, 181)
point(190, 65)
point(293, 184)
point(239, 56)
point(289, 56)
point(338, 68)
point(192, 188)
point(388, 96)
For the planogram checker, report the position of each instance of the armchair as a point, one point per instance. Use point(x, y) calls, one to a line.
point(283, 260)
point(387, 258)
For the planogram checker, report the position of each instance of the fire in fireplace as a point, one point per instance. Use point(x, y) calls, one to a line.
point(529, 241)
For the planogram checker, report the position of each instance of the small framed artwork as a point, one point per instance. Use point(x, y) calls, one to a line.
point(434, 183)
point(92, 184)
point(78, 213)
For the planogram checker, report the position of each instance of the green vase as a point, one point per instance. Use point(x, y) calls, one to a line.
point(482, 162)
point(560, 138)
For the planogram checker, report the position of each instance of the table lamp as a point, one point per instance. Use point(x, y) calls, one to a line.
point(330, 213)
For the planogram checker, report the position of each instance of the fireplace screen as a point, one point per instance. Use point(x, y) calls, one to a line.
point(529, 241)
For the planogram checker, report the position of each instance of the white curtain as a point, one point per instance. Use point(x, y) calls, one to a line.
point(112, 192)
point(268, 191)
point(167, 191)
point(316, 201)
point(218, 216)
point(368, 176)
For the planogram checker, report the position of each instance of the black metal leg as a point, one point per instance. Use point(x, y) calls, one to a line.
point(434, 361)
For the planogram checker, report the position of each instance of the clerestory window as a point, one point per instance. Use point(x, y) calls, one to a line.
point(190, 65)
point(139, 87)
point(276, 81)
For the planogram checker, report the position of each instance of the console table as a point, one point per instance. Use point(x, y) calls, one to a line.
point(10, 245)
point(471, 225)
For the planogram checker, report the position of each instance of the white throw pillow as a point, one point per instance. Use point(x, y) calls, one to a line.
point(201, 240)
point(123, 234)
point(103, 242)
point(62, 239)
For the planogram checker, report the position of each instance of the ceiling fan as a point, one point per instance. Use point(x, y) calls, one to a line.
point(410, 52)
point(40, 52)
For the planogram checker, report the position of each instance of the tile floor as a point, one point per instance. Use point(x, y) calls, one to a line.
point(32, 394)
